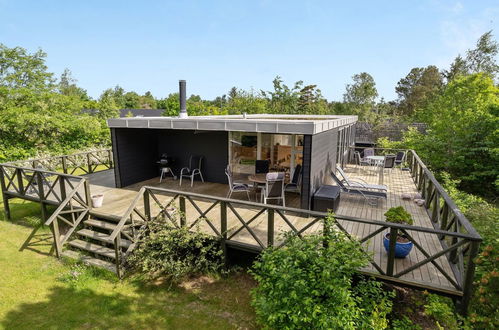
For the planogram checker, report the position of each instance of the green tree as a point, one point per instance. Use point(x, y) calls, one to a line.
point(131, 100)
point(463, 133)
point(67, 86)
point(360, 97)
point(483, 57)
point(417, 88)
point(147, 101)
point(311, 101)
point(20, 69)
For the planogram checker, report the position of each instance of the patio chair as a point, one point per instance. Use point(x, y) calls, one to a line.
point(361, 161)
point(400, 158)
point(274, 188)
point(294, 185)
point(194, 169)
point(360, 183)
point(261, 166)
point(368, 194)
point(368, 152)
point(235, 187)
point(389, 162)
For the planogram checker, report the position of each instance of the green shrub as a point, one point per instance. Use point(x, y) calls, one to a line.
point(308, 284)
point(398, 215)
point(484, 309)
point(175, 253)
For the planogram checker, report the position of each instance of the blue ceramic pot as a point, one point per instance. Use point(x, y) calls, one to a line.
point(401, 249)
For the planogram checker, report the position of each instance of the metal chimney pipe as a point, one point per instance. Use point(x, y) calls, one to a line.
point(182, 97)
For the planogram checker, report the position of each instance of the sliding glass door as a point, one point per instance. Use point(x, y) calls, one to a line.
point(283, 151)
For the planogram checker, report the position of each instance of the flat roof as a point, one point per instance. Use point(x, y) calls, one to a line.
point(261, 123)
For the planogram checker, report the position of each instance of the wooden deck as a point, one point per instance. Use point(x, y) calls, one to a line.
point(117, 201)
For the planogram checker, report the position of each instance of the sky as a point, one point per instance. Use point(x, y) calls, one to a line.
point(215, 45)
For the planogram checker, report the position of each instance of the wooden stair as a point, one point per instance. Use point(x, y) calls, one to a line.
point(90, 244)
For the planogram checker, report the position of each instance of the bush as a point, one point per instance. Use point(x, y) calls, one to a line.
point(175, 253)
point(307, 284)
point(398, 215)
point(484, 310)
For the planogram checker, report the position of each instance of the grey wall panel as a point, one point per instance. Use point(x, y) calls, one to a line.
point(323, 158)
point(137, 153)
point(213, 145)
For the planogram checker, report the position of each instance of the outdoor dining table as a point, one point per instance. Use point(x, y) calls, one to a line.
point(378, 161)
point(260, 179)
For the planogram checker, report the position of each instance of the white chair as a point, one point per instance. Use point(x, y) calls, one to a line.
point(361, 161)
point(235, 187)
point(358, 182)
point(274, 188)
point(194, 169)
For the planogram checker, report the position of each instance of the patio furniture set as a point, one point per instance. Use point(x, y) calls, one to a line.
point(270, 185)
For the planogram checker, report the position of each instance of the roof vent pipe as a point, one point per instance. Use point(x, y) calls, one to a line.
point(182, 97)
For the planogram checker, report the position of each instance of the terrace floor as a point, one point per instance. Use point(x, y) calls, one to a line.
point(117, 201)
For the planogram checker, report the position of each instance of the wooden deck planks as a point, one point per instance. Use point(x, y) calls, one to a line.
point(118, 200)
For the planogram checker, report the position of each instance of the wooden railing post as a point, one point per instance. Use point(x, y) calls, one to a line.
point(453, 254)
point(223, 231)
point(444, 218)
point(270, 227)
point(147, 205)
point(87, 194)
point(20, 183)
point(391, 251)
point(468, 278)
point(41, 194)
point(117, 254)
point(183, 219)
point(64, 165)
point(57, 237)
point(62, 187)
point(89, 164)
point(5, 198)
point(110, 155)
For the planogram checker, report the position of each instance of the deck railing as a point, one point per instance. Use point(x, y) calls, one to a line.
point(185, 209)
point(80, 163)
point(445, 216)
point(70, 195)
point(40, 180)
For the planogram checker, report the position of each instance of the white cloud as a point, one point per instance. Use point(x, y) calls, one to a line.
point(459, 31)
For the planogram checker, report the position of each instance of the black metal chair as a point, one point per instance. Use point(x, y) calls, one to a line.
point(261, 166)
point(389, 162)
point(194, 169)
point(400, 158)
point(294, 185)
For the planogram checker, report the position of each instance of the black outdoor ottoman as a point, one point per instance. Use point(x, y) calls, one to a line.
point(326, 197)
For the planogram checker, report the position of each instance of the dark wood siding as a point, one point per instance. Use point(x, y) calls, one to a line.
point(305, 186)
point(213, 145)
point(135, 155)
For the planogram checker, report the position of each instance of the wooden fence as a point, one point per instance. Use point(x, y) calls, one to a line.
point(152, 203)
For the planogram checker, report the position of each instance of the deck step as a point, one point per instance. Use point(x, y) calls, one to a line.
point(100, 224)
point(89, 260)
point(103, 237)
point(94, 248)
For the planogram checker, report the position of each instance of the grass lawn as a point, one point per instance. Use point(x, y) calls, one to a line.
point(39, 291)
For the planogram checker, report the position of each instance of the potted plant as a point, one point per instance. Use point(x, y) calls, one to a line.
point(403, 245)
